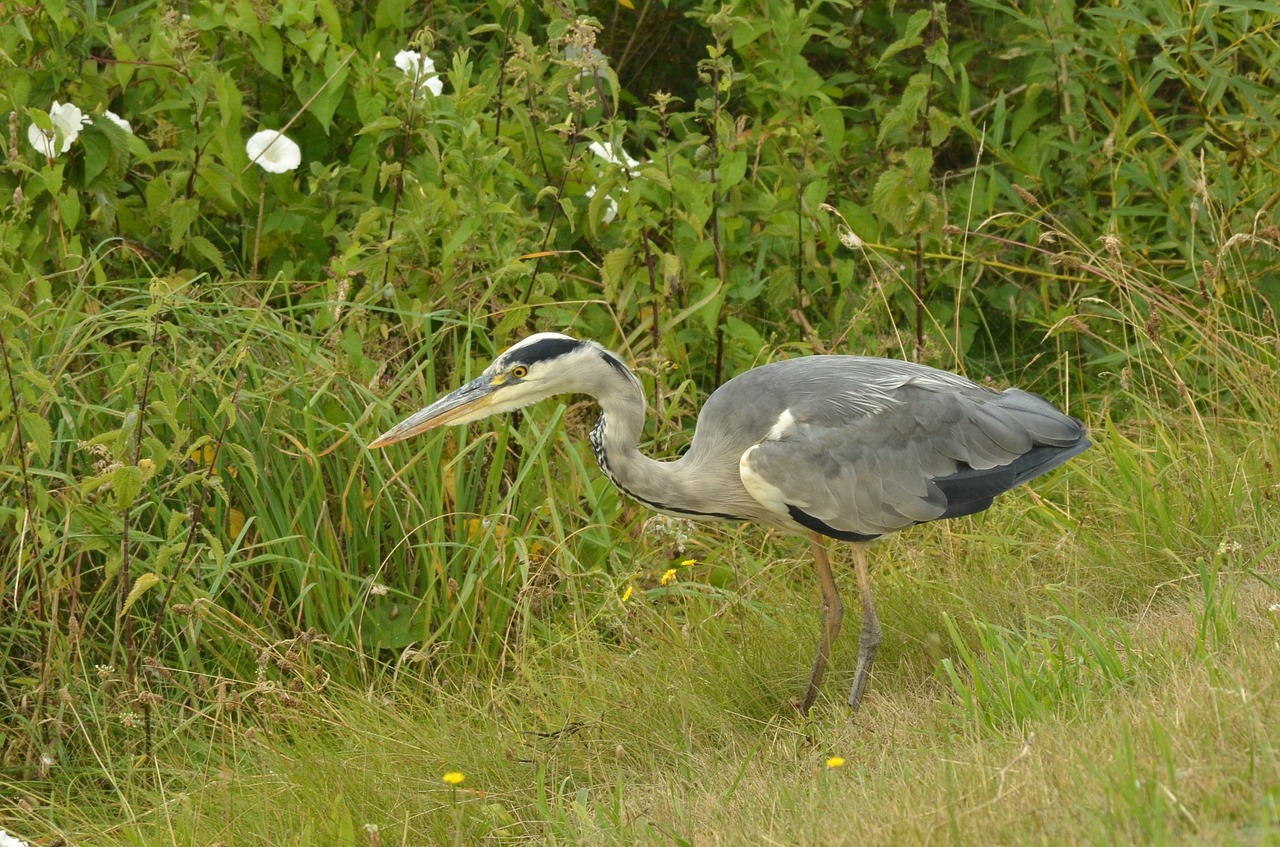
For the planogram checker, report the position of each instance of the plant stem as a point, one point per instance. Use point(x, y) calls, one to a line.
point(125, 621)
point(196, 515)
point(257, 232)
point(654, 329)
point(27, 508)
point(502, 70)
point(555, 208)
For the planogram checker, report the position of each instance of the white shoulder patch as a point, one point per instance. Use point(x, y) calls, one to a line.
point(780, 429)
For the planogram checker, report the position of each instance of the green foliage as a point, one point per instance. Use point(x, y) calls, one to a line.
point(1054, 665)
point(196, 550)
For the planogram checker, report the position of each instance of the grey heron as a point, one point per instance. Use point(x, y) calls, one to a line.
point(846, 447)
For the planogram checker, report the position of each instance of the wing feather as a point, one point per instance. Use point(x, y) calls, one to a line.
point(910, 451)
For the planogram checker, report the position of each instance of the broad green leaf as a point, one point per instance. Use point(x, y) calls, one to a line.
point(816, 193)
point(183, 212)
point(204, 248)
point(36, 430)
point(127, 435)
point(393, 622)
point(166, 553)
point(126, 481)
point(328, 13)
point(217, 553)
point(936, 54)
point(227, 406)
point(69, 203)
point(323, 91)
point(670, 268)
point(459, 236)
point(51, 176)
point(382, 124)
point(165, 411)
point(893, 200)
point(919, 163)
point(733, 168)
point(653, 172)
point(747, 30)
point(245, 458)
point(831, 120)
point(740, 330)
point(140, 586)
point(244, 18)
point(97, 152)
point(939, 127)
point(900, 122)
point(269, 53)
point(390, 14)
point(910, 38)
point(155, 449)
point(615, 264)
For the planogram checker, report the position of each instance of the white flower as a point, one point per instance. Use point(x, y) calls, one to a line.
point(67, 121)
point(609, 213)
point(7, 840)
point(275, 153)
point(118, 121)
point(422, 69)
point(614, 155)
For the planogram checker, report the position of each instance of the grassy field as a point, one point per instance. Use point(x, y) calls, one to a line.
point(685, 738)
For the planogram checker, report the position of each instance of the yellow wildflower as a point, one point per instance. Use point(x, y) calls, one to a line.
point(626, 595)
point(669, 577)
point(688, 563)
point(835, 762)
point(453, 777)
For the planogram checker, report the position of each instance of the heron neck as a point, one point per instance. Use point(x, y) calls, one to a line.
point(661, 485)
point(616, 436)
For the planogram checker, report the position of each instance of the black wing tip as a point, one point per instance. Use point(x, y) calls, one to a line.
point(821, 527)
point(970, 491)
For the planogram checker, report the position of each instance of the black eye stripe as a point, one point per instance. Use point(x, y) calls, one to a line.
point(541, 351)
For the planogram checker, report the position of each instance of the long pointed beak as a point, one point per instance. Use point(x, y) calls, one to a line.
point(464, 404)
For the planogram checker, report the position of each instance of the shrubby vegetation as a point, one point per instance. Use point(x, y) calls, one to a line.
point(204, 570)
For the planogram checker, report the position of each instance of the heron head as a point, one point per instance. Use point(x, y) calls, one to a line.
point(536, 368)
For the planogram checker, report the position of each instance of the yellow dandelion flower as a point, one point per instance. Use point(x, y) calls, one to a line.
point(453, 777)
point(835, 762)
point(626, 595)
point(688, 563)
point(669, 577)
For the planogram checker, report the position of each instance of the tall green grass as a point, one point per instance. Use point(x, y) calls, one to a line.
point(338, 628)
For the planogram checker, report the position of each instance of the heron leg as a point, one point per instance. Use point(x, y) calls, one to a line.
point(832, 615)
point(869, 640)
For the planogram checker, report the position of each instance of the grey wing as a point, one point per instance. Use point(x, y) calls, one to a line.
point(923, 451)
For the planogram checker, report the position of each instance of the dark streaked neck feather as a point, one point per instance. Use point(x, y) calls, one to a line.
point(660, 485)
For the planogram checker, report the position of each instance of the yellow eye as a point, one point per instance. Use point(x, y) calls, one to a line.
point(519, 372)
